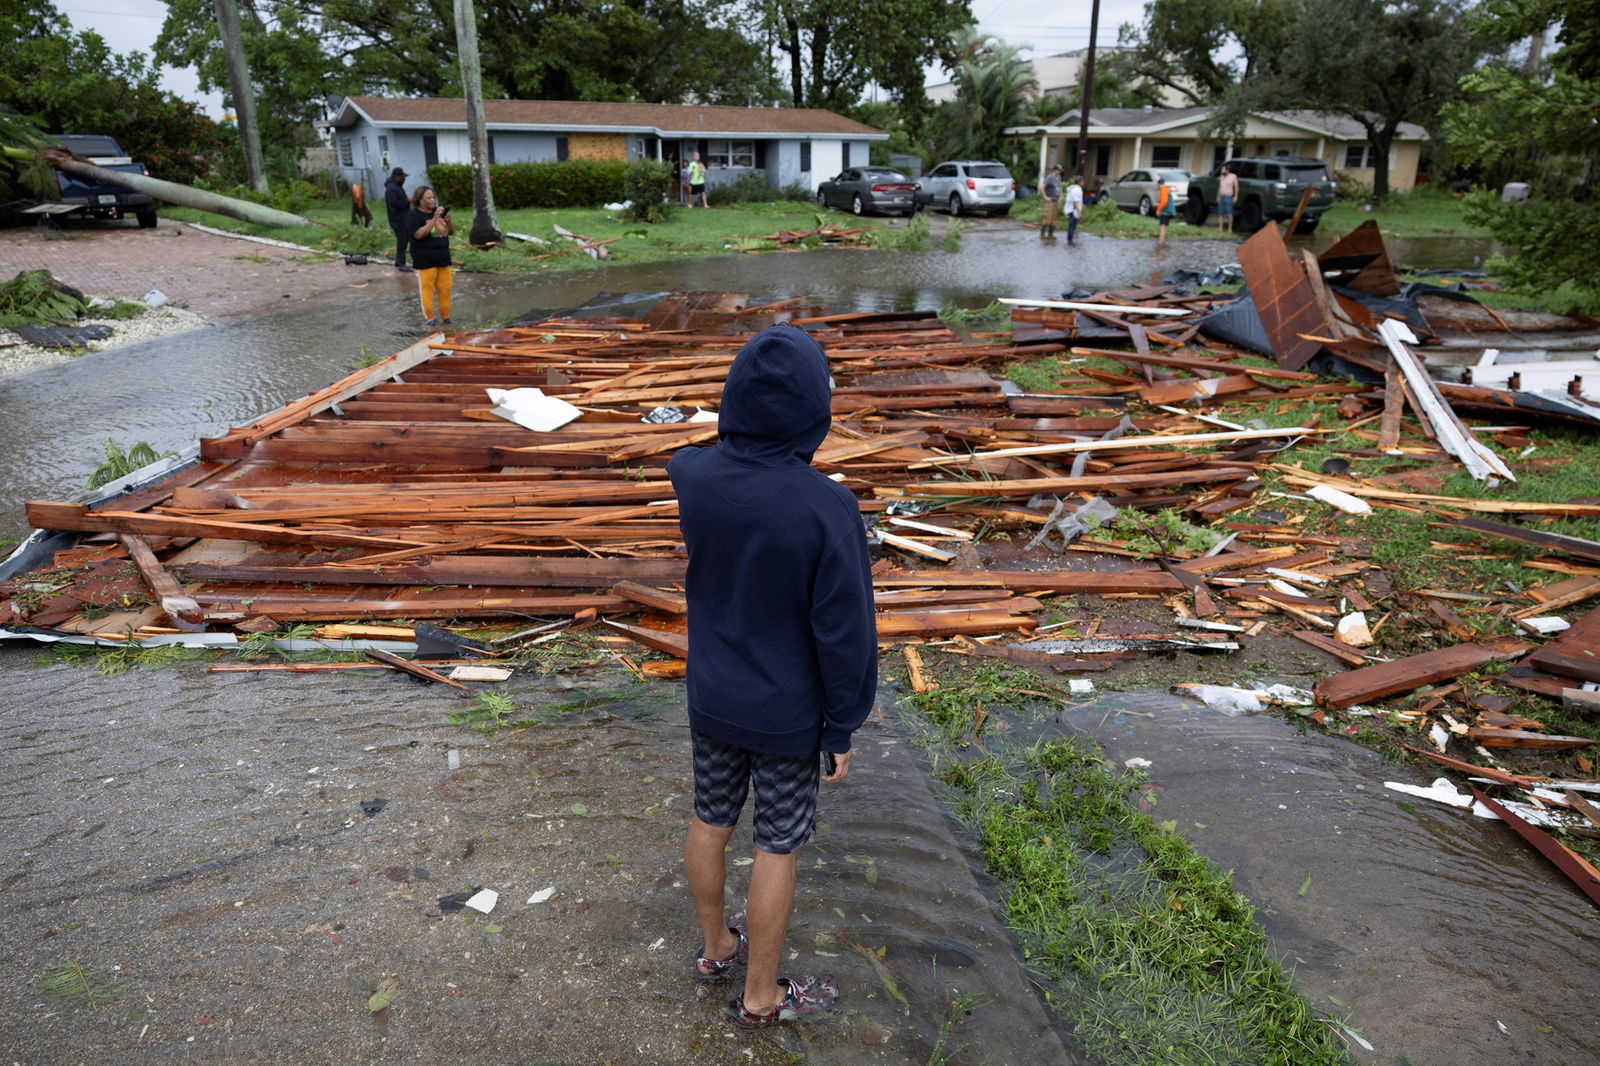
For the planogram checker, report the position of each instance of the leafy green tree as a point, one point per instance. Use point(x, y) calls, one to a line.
point(1538, 127)
point(835, 47)
point(68, 82)
point(1378, 62)
point(1202, 49)
point(304, 52)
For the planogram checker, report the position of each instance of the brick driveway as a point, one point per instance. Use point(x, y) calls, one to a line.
point(217, 277)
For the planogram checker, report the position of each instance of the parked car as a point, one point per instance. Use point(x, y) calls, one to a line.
point(1136, 190)
point(103, 200)
point(967, 186)
point(1269, 188)
point(864, 190)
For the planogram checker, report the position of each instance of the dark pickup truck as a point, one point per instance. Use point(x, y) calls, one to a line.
point(98, 200)
point(1269, 188)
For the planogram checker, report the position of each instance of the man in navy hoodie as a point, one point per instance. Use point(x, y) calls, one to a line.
point(783, 658)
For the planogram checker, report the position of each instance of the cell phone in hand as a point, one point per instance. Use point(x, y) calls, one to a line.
point(829, 763)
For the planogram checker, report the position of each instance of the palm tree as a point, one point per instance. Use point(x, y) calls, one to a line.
point(994, 89)
point(244, 94)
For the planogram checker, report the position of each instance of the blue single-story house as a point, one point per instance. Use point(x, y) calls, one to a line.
point(374, 134)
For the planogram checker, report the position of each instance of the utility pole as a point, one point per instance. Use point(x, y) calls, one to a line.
point(244, 95)
point(1088, 92)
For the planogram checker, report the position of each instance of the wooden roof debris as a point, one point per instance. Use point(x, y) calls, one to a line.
point(396, 494)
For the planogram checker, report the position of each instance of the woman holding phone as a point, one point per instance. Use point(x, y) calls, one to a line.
point(429, 225)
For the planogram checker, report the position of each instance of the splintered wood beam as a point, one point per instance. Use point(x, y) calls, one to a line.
point(180, 607)
point(414, 669)
point(654, 598)
point(1578, 871)
point(1414, 671)
point(674, 644)
point(77, 517)
point(1155, 440)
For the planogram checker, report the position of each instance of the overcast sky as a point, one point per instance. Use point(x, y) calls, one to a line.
point(1048, 26)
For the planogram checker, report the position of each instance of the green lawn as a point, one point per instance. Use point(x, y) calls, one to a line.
point(686, 233)
point(1424, 213)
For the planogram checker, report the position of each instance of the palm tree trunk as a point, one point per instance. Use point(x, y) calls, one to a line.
point(244, 95)
point(173, 193)
point(485, 223)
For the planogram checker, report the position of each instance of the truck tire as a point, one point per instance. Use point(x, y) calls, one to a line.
point(1308, 224)
point(1195, 211)
point(146, 217)
point(1250, 217)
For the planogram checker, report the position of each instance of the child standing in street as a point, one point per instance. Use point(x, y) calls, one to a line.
point(782, 655)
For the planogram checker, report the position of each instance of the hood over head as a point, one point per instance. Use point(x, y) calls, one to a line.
point(777, 400)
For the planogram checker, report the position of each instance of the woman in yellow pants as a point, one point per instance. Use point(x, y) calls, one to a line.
point(429, 225)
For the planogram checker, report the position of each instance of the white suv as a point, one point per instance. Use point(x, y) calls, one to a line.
point(967, 186)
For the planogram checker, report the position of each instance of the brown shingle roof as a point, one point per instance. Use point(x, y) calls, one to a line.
point(687, 120)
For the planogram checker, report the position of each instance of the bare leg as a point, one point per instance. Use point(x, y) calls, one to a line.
point(767, 910)
point(704, 854)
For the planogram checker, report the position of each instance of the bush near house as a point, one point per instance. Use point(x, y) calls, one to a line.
point(572, 183)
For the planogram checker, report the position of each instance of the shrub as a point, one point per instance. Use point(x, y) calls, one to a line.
point(1349, 187)
point(572, 183)
point(750, 187)
point(645, 184)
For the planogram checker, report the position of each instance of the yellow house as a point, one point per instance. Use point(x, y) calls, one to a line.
point(1125, 138)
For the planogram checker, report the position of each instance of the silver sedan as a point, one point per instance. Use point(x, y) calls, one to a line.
point(1136, 190)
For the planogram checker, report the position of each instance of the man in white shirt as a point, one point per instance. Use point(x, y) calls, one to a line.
point(1074, 209)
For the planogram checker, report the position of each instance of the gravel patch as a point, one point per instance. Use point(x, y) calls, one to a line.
point(17, 356)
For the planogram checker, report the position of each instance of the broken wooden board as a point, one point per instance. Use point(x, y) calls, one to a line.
point(1402, 675)
point(1283, 298)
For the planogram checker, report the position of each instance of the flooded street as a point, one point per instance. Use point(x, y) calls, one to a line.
point(244, 857)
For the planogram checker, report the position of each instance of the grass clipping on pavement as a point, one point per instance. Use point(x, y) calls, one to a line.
point(1142, 946)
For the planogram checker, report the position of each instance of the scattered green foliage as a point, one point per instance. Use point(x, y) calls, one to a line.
point(951, 241)
point(121, 659)
point(1037, 375)
point(954, 314)
point(35, 297)
point(962, 1007)
point(268, 646)
point(914, 236)
point(489, 713)
point(80, 985)
point(121, 463)
point(1164, 532)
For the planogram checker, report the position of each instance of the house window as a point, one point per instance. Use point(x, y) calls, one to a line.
point(1284, 148)
point(1359, 156)
point(1102, 160)
point(383, 144)
point(844, 154)
point(491, 149)
point(561, 149)
point(731, 154)
point(430, 149)
point(346, 159)
point(366, 150)
point(805, 157)
point(1219, 156)
point(1166, 156)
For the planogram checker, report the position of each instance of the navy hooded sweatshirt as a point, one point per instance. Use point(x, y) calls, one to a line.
point(783, 653)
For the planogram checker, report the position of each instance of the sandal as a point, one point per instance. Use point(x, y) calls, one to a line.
point(806, 998)
point(721, 969)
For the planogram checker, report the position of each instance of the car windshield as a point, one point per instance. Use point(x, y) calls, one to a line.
point(1305, 173)
point(884, 175)
point(988, 170)
point(1175, 175)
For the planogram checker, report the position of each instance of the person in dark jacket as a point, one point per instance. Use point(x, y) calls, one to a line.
point(782, 653)
point(399, 205)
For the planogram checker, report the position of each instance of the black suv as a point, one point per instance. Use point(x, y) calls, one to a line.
point(1269, 188)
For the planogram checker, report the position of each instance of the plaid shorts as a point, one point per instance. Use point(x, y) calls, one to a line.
point(786, 792)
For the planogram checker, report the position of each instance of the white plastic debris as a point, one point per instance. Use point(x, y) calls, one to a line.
point(1546, 624)
point(1230, 701)
point(1439, 736)
point(480, 673)
point(156, 298)
point(1080, 685)
point(531, 409)
point(702, 415)
point(1137, 763)
point(543, 894)
point(452, 759)
point(484, 900)
point(1342, 500)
